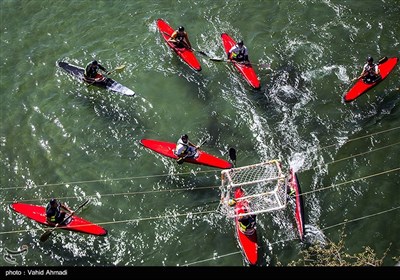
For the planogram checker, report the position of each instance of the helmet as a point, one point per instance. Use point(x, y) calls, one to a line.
point(231, 202)
point(184, 137)
point(52, 201)
point(240, 42)
point(94, 62)
point(370, 59)
point(181, 28)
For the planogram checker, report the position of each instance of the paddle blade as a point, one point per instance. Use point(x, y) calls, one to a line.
point(232, 154)
point(382, 60)
point(203, 53)
point(45, 235)
point(120, 68)
point(180, 160)
point(218, 59)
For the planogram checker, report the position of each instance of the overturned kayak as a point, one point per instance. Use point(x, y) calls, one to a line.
point(38, 214)
point(101, 81)
point(203, 158)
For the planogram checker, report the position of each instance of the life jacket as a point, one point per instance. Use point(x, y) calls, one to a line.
point(180, 36)
point(370, 68)
point(91, 70)
point(185, 149)
point(238, 53)
point(53, 213)
point(247, 224)
point(372, 75)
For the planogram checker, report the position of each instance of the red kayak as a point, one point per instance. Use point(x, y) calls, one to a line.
point(298, 203)
point(248, 243)
point(167, 149)
point(38, 214)
point(185, 54)
point(246, 70)
point(385, 65)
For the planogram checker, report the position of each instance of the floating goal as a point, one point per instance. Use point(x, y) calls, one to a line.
point(263, 184)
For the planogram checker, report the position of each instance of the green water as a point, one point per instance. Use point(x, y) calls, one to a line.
point(60, 138)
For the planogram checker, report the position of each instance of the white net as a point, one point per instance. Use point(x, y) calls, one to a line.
point(263, 185)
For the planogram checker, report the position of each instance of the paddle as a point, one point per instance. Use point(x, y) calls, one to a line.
point(200, 52)
point(380, 61)
point(180, 160)
point(48, 232)
point(263, 65)
point(117, 69)
point(186, 45)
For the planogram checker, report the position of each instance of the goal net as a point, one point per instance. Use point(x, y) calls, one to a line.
point(263, 186)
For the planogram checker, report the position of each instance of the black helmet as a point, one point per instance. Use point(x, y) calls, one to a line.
point(370, 59)
point(52, 201)
point(184, 136)
point(240, 42)
point(94, 62)
point(181, 28)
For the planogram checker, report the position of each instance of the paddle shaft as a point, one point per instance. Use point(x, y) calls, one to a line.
point(118, 68)
point(263, 65)
point(46, 235)
point(187, 46)
point(382, 60)
point(180, 160)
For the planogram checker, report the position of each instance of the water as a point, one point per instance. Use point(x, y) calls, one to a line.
point(62, 139)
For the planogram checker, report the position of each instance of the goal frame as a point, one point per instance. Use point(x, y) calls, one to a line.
point(264, 186)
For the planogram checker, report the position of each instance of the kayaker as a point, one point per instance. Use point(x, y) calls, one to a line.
point(239, 53)
point(54, 213)
point(91, 71)
point(185, 148)
point(370, 71)
point(180, 38)
point(247, 223)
